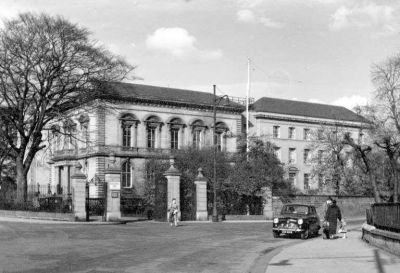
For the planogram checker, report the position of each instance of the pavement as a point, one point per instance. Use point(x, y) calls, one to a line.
point(350, 255)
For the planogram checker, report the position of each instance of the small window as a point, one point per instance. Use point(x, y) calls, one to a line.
point(292, 132)
point(306, 158)
point(306, 134)
point(306, 181)
point(320, 181)
point(276, 132)
point(292, 156)
point(320, 134)
point(277, 152)
point(126, 136)
point(292, 178)
point(218, 141)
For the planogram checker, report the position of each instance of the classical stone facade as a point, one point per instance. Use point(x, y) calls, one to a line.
point(132, 123)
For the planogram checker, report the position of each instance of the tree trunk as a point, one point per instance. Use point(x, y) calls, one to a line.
point(393, 164)
point(375, 188)
point(22, 182)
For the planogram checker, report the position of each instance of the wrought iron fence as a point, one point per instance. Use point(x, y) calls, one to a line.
point(385, 216)
point(46, 198)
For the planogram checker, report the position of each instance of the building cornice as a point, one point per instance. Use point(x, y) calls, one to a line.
point(313, 121)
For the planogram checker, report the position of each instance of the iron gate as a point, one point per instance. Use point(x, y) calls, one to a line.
point(95, 206)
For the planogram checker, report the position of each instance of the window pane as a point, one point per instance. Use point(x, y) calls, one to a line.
point(126, 136)
point(126, 175)
point(306, 181)
point(151, 139)
point(174, 138)
point(196, 139)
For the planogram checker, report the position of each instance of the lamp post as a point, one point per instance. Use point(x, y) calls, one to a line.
point(216, 101)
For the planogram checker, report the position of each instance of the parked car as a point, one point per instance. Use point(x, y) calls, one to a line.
point(297, 219)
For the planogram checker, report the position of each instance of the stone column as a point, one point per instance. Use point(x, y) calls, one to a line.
point(79, 193)
point(267, 200)
point(113, 193)
point(201, 197)
point(173, 185)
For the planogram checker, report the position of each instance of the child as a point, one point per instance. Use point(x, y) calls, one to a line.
point(343, 229)
point(173, 212)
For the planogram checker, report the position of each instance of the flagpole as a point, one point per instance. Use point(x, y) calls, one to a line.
point(247, 104)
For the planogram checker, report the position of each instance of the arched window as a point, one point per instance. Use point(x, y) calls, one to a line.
point(84, 122)
point(69, 134)
point(220, 132)
point(126, 174)
point(127, 120)
point(152, 124)
point(176, 125)
point(198, 128)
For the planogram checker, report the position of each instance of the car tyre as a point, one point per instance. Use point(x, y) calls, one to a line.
point(305, 234)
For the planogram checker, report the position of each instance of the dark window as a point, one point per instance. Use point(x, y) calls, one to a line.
point(126, 136)
point(151, 137)
point(306, 158)
point(275, 132)
point(196, 139)
point(126, 174)
point(174, 138)
point(292, 178)
point(292, 132)
point(218, 141)
point(320, 181)
point(306, 181)
point(306, 134)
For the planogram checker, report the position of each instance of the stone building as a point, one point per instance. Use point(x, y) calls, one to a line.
point(133, 122)
point(293, 126)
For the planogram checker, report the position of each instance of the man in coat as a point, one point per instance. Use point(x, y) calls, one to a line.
point(332, 215)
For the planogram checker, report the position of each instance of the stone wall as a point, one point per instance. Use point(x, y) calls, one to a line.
point(351, 206)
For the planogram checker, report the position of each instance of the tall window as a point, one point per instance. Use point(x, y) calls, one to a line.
point(127, 121)
point(306, 181)
point(218, 141)
point(292, 132)
point(320, 181)
point(320, 156)
point(292, 178)
point(306, 134)
point(126, 135)
point(320, 134)
point(196, 139)
point(174, 138)
point(292, 156)
point(126, 174)
point(306, 158)
point(277, 151)
point(151, 137)
point(276, 131)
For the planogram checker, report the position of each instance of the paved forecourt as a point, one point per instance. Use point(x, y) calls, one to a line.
point(136, 247)
point(350, 255)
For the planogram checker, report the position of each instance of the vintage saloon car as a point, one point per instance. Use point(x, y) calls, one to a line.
point(297, 219)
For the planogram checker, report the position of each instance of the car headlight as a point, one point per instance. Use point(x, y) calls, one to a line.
point(300, 221)
point(276, 220)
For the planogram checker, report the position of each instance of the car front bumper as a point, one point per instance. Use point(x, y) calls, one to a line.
point(288, 230)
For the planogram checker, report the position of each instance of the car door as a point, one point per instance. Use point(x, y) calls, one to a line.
point(313, 218)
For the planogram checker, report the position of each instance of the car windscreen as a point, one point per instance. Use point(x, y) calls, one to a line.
point(293, 209)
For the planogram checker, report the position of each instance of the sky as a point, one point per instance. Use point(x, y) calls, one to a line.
point(310, 50)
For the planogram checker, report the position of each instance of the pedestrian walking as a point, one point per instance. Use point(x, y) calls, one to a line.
point(332, 215)
point(173, 212)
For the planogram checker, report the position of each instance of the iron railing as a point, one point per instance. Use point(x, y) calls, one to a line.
point(385, 216)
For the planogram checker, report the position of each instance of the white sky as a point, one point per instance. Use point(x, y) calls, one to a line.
point(311, 50)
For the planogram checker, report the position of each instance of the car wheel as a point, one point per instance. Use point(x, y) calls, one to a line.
point(305, 235)
point(276, 234)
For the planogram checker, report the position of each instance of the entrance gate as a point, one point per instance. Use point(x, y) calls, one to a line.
point(160, 200)
point(95, 205)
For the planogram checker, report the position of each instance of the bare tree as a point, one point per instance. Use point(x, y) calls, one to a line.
point(385, 113)
point(48, 66)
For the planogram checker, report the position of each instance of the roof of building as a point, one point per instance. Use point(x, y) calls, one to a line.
point(140, 92)
point(306, 109)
